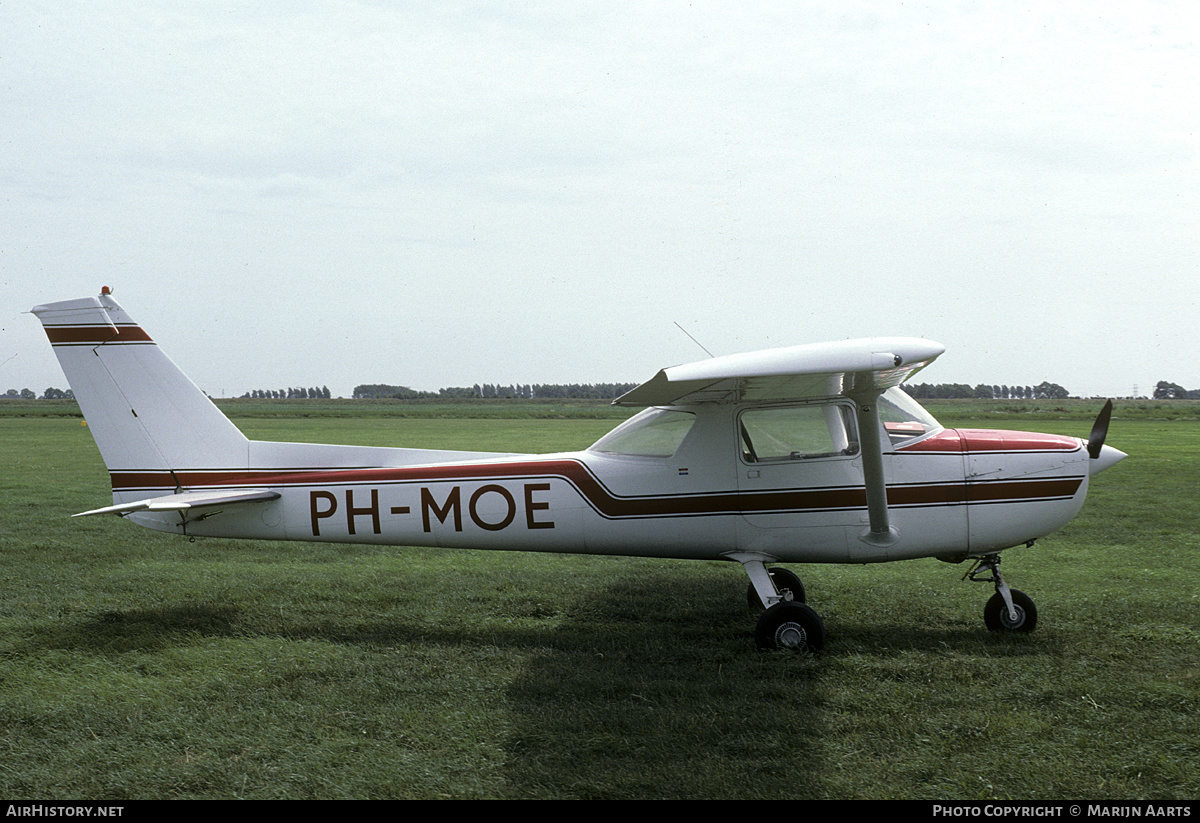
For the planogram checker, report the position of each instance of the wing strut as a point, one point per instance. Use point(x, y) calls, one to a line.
point(867, 407)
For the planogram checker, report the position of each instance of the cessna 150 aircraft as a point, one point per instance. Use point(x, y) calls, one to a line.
point(809, 454)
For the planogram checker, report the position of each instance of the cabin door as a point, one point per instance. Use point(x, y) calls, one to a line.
point(800, 480)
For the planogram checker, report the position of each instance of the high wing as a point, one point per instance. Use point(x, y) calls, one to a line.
point(862, 367)
point(859, 369)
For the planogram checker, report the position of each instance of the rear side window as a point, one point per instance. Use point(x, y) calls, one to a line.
point(650, 433)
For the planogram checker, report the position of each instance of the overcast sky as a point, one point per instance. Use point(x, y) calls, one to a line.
point(441, 194)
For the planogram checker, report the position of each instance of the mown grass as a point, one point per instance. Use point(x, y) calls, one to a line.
point(138, 665)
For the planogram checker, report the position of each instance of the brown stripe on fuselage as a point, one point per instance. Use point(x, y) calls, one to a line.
point(610, 505)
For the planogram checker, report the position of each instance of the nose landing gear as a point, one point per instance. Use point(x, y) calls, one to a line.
point(1008, 610)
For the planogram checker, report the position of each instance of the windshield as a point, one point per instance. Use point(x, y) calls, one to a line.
point(903, 418)
point(649, 433)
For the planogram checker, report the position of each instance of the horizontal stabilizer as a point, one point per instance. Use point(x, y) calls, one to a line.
point(186, 501)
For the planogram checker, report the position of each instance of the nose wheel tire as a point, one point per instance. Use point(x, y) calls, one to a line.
point(790, 626)
point(997, 618)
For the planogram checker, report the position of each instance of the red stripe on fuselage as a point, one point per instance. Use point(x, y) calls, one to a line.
point(1017, 442)
point(978, 441)
point(946, 440)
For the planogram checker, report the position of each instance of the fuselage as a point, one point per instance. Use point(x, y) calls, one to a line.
point(701, 481)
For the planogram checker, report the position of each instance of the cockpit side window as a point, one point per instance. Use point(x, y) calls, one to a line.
point(804, 432)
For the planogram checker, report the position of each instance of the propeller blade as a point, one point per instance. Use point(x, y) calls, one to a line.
point(1099, 431)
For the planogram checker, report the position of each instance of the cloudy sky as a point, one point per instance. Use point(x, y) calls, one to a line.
point(440, 194)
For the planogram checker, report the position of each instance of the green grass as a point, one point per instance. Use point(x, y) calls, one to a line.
point(139, 665)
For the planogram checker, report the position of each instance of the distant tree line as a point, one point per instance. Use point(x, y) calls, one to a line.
point(947, 391)
point(373, 391)
point(1173, 391)
point(526, 391)
point(1163, 390)
point(297, 393)
point(48, 394)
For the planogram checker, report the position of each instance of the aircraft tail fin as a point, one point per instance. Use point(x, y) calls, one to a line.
point(143, 412)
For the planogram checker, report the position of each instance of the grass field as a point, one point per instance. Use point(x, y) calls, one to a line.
point(139, 665)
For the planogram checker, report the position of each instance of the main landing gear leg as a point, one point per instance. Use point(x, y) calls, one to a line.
point(1008, 610)
point(786, 623)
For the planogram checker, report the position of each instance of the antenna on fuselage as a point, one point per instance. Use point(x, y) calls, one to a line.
point(694, 340)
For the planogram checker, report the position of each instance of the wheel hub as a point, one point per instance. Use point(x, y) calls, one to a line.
point(791, 636)
point(1008, 622)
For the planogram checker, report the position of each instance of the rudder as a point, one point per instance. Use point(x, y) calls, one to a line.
point(143, 412)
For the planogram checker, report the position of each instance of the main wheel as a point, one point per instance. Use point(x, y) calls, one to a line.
point(997, 618)
point(790, 625)
point(784, 581)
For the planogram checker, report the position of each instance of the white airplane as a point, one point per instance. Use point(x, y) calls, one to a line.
point(809, 454)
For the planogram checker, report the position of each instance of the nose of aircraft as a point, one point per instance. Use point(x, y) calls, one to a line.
point(1102, 456)
point(1108, 456)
